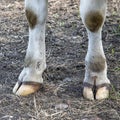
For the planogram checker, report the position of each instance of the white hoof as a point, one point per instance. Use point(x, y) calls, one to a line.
point(102, 93)
point(88, 93)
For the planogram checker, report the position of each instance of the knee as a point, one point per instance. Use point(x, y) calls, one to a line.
point(36, 12)
point(31, 17)
point(93, 21)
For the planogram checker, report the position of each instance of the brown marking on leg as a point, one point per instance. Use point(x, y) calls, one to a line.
point(31, 17)
point(29, 62)
point(38, 65)
point(96, 63)
point(93, 21)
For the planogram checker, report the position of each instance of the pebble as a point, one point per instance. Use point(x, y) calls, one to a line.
point(1, 56)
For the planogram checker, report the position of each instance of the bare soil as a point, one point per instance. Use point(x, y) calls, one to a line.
point(66, 46)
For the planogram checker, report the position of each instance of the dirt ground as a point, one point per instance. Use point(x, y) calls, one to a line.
point(66, 45)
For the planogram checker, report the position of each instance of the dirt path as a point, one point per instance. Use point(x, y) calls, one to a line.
point(66, 42)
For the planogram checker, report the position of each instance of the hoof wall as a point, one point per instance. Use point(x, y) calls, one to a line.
point(92, 92)
point(102, 93)
point(26, 88)
point(88, 93)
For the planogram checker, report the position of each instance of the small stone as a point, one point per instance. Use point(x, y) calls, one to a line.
point(61, 106)
point(1, 56)
point(67, 79)
point(92, 118)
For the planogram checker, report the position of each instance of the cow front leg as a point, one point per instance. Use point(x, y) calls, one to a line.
point(93, 16)
point(30, 79)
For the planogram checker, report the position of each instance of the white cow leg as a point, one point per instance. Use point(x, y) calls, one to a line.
point(30, 79)
point(93, 15)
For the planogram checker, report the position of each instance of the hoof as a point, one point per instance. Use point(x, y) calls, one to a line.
point(92, 92)
point(102, 93)
point(88, 93)
point(26, 88)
